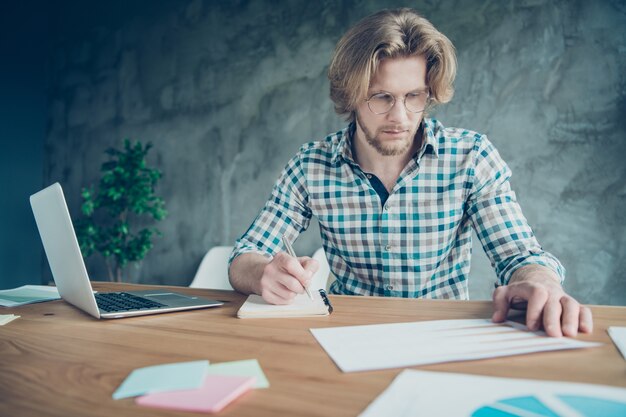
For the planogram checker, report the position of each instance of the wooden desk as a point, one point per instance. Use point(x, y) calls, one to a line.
point(57, 361)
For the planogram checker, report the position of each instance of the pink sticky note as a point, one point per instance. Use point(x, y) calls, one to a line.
point(215, 394)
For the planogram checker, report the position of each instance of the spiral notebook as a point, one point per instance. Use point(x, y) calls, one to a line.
point(302, 306)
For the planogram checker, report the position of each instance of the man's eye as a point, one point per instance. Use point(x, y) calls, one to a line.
point(388, 98)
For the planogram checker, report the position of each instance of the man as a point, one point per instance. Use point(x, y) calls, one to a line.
point(397, 194)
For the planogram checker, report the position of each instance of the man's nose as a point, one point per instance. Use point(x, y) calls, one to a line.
point(398, 112)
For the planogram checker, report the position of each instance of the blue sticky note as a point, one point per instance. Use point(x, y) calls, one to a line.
point(248, 367)
point(159, 378)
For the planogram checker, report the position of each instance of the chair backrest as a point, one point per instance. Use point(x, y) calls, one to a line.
point(323, 276)
point(213, 270)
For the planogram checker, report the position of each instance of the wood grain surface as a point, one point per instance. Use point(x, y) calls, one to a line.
point(57, 361)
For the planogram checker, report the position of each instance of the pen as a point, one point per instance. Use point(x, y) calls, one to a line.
point(292, 253)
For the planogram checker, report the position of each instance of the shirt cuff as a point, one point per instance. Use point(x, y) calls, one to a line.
point(542, 258)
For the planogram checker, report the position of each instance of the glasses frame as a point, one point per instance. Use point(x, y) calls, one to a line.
point(395, 100)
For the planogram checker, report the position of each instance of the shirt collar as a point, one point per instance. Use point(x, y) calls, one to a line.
point(430, 141)
point(344, 147)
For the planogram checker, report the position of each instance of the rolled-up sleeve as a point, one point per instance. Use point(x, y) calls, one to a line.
point(497, 218)
point(285, 213)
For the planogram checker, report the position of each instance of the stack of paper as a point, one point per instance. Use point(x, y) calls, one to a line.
point(394, 345)
point(192, 386)
point(28, 294)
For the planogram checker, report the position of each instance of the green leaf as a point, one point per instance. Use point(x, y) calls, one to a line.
point(125, 197)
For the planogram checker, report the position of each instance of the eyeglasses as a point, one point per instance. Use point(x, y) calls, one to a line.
point(383, 102)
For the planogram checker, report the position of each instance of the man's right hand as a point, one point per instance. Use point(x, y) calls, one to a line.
point(285, 276)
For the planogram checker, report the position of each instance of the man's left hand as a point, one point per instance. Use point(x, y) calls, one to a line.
point(546, 302)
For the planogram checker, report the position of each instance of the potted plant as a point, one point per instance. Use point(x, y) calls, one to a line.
point(116, 212)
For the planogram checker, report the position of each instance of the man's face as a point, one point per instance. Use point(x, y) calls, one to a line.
point(392, 133)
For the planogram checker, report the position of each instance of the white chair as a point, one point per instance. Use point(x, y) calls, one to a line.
point(213, 270)
point(323, 277)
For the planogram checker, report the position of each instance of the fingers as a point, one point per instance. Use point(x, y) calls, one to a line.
point(500, 305)
point(585, 324)
point(505, 296)
point(273, 288)
point(295, 269)
point(574, 318)
point(285, 277)
point(552, 311)
point(537, 299)
point(558, 313)
point(309, 264)
point(571, 315)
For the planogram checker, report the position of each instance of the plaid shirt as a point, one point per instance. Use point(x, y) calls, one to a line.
point(419, 243)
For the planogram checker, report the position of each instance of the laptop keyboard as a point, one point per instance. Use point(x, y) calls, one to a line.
point(123, 301)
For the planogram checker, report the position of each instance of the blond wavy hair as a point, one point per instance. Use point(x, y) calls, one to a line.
point(392, 33)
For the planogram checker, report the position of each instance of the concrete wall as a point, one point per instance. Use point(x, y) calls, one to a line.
point(227, 92)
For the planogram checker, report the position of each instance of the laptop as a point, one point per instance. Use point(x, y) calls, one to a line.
point(70, 275)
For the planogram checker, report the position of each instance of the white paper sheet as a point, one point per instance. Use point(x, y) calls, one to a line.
point(618, 335)
point(395, 345)
point(28, 294)
point(433, 394)
point(7, 318)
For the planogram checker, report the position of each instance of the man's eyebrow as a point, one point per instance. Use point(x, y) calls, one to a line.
point(418, 90)
point(372, 91)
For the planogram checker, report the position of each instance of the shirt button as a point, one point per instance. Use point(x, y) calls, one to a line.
point(386, 207)
point(387, 248)
point(369, 176)
point(389, 287)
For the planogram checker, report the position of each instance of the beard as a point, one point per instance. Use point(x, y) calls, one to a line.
point(389, 148)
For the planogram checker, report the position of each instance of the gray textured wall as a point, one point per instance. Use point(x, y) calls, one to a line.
point(227, 92)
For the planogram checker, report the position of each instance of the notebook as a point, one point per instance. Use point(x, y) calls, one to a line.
point(302, 306)
point(70, 275)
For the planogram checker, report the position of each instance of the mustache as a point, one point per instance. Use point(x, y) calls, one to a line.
point(394, 127)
